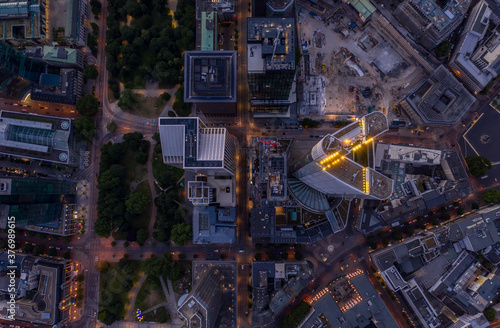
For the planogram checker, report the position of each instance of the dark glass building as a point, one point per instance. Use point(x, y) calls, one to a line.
point(271, 65)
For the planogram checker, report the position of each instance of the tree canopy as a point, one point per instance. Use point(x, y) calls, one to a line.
point(87, 106)
point(443, 48)
point(478, 165)
point(91, 72)
point(137, 203)
point(181, 234)
point(489, 313)
point(309, 123)
point(491, 196)
point(84, 129)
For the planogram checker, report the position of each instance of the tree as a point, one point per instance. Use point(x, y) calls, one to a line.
point(80, 277)
point(137, 203)
point(133, 140)
point(102, 228)
point(38, 250)
point(84, 129)
point(489, 313)
point(52, 252)
point(397, 236)
point(142, 236)
point(141, 157)
point(67, 255)
point(128, 99)
point(166, 96)
point(111, 126)
point(95, 7)
point(443, 49)
point(258, 256)
point(491, 196)
point(308, 123)
point(91, 72)
point(475, 206)
point(87, 105)
point(106, 318)
point(181, 234)
point(478, 165)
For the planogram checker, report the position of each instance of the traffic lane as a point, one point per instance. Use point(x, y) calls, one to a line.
point(40, 108)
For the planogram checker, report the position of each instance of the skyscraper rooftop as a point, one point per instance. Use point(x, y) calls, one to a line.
point(35, 136)
point(336, 166)
point(210, 76)
point(188, 143)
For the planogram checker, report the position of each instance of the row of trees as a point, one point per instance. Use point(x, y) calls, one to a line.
point(85, 128)
point(150, 47)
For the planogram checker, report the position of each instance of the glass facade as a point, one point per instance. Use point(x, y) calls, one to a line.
point(16, 62)
point(30, 135)
point(272, 85)
point(36, 214)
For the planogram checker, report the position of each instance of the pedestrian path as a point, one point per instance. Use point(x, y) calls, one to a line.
point(157, 306)
point(171, 302)
point(134, 291)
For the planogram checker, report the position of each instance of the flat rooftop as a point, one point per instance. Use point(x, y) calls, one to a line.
point(228, 313)
point(182, 140)
point(408, 154)
point(35, 136)
point(440, 98)
point(442, 17)
point(20, 20)
point(273, 38)
point(210, 76)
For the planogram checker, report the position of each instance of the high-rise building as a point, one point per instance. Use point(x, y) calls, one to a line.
point(23, 22)
point(76, 22)
point(44, 138)
point(187, 143)
point(337, 165)
point(201, 307)
point(39, 205)
point(438, 99)
point(279, 8)
point(271, 65)
point(16, 62)
point(43, 292)
point(476, 59)
point(431, 22)
point(210, 79)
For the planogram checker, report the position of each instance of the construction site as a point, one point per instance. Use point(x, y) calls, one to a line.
point(348, 69)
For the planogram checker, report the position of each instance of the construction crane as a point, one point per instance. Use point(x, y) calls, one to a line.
point(277, 40)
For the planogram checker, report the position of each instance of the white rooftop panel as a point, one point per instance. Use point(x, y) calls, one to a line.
point(211, 144)
point(172, 140)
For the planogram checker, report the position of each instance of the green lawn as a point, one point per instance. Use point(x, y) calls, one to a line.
point(150, 294)
point(143, 220)
point(159, 167)
point(114, 285)
point(150, 107)
point(161, 316)
point(135, 171)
